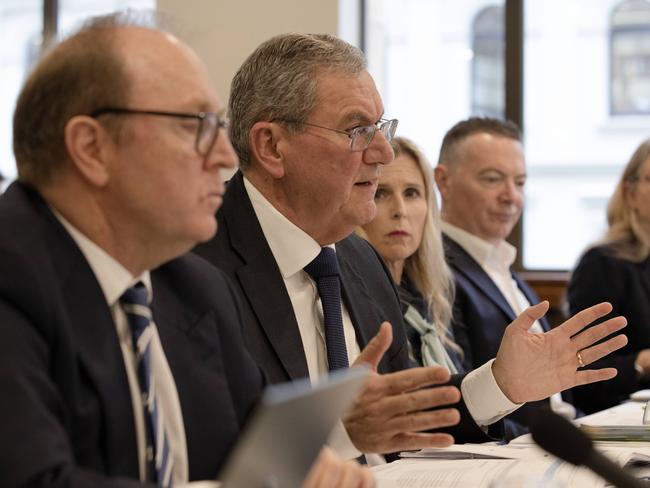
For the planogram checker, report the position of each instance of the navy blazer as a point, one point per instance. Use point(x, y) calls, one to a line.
point(599, 277)
point(481, 312)
point(271, 329)
point(66, 417)
point(480, 316)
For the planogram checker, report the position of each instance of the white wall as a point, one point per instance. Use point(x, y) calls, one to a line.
point(224, 32)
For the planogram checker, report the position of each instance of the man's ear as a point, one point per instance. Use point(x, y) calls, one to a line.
point(265, 142)
point(88, 144)
point(441, 175)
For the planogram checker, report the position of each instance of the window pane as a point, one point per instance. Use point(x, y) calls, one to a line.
point(575, 149)
point(421, 55)
point(488, 63)
point(630, 58)
point(21, 23)
point(20, 37)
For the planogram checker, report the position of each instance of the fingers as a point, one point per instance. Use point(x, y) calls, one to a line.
point(374, 351)
point(420, 400)
point(329, 471)
point(322, 464)
point(526, 318)
point(420, 440)
point(377, 421)
point(594, 375)
point(355, 476)
point(417, 422)
point(598, 351)
point(583, 318)
point(407, 380)
point(598, 332)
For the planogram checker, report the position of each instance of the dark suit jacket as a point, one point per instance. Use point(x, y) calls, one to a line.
point(601, 277)
point(480, 316)
point(271, 329)
point(66, 417)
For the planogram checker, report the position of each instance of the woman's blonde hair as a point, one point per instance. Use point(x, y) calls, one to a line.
point(626, 236)
point(427, 267)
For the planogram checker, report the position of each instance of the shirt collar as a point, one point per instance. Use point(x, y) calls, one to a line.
point(113, 278)
point(501, 256)
point(292, 247)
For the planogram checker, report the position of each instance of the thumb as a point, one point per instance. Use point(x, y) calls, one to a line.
point(374, 351)
point(526, 318)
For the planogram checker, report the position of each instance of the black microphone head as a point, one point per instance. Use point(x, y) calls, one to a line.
point(560, 437)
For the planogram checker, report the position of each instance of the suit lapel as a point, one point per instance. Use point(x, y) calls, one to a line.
point(357, 299)
point(532, 298)
point(464, 264)
point(99, 351)
point(272, 306)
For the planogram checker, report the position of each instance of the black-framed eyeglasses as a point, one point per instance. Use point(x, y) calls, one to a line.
point(361, 136)
point(207, 130)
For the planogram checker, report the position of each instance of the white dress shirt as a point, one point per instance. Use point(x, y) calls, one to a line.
point(114, 280)
point(293, 249)
point(496, 262)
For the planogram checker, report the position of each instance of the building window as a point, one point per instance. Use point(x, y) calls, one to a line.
point(437, 62)
point(488, 64)
point(630, 58)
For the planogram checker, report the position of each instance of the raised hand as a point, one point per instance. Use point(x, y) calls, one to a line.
point(393, 409)
point(531, 366)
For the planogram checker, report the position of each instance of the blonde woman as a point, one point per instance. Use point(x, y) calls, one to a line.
point(406, 232)
point(617, 269)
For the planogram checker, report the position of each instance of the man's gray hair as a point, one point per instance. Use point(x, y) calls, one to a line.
point(279, 81)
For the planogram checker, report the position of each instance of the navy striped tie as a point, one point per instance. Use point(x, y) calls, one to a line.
point(160, 463)
point(325, 272)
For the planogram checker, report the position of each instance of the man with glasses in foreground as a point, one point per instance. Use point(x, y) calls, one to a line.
point(309, 129)
point(121, 357)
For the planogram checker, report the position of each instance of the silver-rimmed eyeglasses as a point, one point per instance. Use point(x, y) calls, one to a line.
point(360, 136)
point(207, 129)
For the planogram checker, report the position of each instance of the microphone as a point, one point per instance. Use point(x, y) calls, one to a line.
point(561, 438)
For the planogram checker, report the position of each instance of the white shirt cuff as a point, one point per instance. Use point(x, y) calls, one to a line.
point(483, 397)
point(340, 442)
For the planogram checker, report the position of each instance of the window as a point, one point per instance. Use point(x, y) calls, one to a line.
point(575, 148)
point(437, 62)
point(630, 58)
point(488, 63)
point(21, 38)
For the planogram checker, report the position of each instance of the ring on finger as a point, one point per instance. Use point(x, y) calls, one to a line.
point(581, 363)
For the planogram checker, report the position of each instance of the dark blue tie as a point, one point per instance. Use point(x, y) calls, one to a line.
point(325, 272)
point(159, 459)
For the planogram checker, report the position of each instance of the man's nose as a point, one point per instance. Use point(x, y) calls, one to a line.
point(222, 153)
point(379, 151)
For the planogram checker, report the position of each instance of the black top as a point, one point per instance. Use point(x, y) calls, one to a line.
point(599, 277)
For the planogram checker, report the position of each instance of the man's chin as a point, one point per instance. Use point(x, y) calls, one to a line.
point(207, 231)
point(369, 213)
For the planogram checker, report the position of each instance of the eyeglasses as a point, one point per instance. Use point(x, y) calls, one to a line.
point(206, 131)
point(361, 136)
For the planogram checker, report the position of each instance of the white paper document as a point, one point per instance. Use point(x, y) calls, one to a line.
point(482, 473)
point(529, 466)
point(477, 451)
